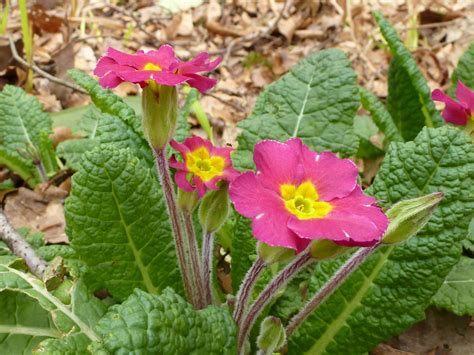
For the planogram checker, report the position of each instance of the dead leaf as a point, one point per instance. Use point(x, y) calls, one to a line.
point(42, 21)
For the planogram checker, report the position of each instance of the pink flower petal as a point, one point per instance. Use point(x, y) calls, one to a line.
point(110, 81)
point(180, 147)
point(193, 143)
point(136, 61)
point(202, 83)
point(453, 111)
point(465, 96)
point(277, 163)
point(198, 64)
point(164, 57)
point(183, 182)
point(201, 187)
point(177, 164)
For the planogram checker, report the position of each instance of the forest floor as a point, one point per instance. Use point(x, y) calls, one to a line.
point(259, 40)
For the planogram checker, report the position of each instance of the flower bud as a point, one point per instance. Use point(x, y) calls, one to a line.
point(409, 216)
point(272, 335)
point(159, 110)
point(187, 201)
point(272, 255)
point(214, 208)
point(326, 249)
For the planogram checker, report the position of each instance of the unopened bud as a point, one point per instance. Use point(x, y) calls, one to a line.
point(214, 208)
point(326, 249)
point(409, 216)
point(272, 255)
point(187, 201)
point(272, 335)
point(159, 110)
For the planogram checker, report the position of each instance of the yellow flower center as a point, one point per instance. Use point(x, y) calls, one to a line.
point(302, 201)
point(151, 66)
point(201, 163)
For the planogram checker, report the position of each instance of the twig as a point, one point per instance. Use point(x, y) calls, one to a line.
point(40, 71)
point(20, 247)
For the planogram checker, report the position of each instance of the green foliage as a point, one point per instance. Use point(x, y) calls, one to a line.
point(380, 116)
point(23, 122)
point(47, 154)
point(166, 324)
point(72, 150)
point(463, 71)
point(409, 99)
point(365, 128)
point(457, 292)
point(118, 224)
point(316, 101)
point(390, 291)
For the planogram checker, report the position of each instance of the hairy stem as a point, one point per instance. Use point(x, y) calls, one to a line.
point(328, 288)
point(195, 263)
point(21, 248)
point(170, 198)
point(283, 277)
point(246, 288)
point(207, 249)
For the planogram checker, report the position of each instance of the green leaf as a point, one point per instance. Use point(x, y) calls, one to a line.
point(182, 125)
point(22, 120)
point(457, 293)
point(166, 324)
point(23, 324)
point(365, 128)
point(463, 71)
point(118, 224)
point(391, 290)
point(77, 317)
point(316, 101)
point(47, 154)
point(380, 115)
point(469, 242)
point(409, 93)
point(70, 344)
point(72, 150)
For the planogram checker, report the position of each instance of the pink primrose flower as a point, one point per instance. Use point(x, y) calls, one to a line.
point(161, 66)
point(298, 195)
point(203, 165)
point(457, 112)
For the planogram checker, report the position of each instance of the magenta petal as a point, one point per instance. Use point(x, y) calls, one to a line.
point(202, 83)
point(110, 81)
point(200, 63)
point(193, 143)
point(167, 78)
point(180, 147)
point(136, 61)
point(453, 111)
point(176, 164)
point(277, 163)
point(183, 182)
point(201, 188)
point(164, 57)
point(465, 96)
point(135, 76)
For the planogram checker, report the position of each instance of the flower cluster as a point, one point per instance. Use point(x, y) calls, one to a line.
point(298, 195)
point(457, 112)
point(160, 66)
point(203, 166)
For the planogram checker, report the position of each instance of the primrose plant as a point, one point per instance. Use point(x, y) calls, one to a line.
point(181, 246)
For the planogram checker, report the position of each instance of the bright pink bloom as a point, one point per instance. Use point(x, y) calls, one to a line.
point(298, 195)
point(161, 66)
point(455, 112)
point(203, 165)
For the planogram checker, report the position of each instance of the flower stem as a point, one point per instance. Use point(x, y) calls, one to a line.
point(207, 249)
point(195, 263)
point(283, 277)
point(328, 288)
point(167, 185)
point(246, 288)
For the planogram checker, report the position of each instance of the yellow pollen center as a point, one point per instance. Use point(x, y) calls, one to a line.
point(201, 163)
point(151, 66)
point(302, 201)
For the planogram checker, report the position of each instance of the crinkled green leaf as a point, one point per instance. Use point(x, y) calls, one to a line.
point(118, 224)
point(166, 324)
point(457, 292)
point(22, 120)
point(316, 101)
point(75, 343)
point(463, 71)
point(469, 242)
point(72, 150)
point(391, 290)
point(23, 324)
point(365, 128)
point(409, 98)
point(380, 115)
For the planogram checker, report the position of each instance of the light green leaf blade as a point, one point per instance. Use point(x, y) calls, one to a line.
point(391, 290)
point(23, 167)
point(22, 120)
point(118, 224)
point(72, 150)
point(316, 101)
point(463, 71)
point(365, 128)
point(166, 324)
point(405, 75)
point(457, 293)
point(23, 324)
point(380, 116)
